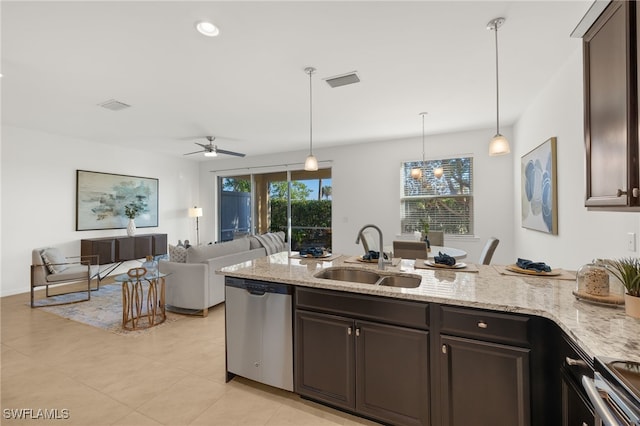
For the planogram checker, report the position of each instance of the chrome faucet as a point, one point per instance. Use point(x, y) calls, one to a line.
point(381, 261)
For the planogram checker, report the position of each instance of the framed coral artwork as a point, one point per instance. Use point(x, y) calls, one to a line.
point(539, 188)
point(102, 200)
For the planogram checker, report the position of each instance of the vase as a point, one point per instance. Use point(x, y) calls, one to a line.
point(131, 228)
point(632, 305)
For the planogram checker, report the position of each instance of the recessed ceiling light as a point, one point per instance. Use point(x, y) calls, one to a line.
point(207, 28)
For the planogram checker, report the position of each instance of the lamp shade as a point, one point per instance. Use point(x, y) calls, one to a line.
point(499, 145)
point(438, 172)
point(311, 164)
point(416, 173)
point(195, 212)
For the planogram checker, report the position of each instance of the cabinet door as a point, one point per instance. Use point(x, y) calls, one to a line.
point(611, 134)
point(324, 358)
point(483, 384)
point(392, 367)
point(576, 410)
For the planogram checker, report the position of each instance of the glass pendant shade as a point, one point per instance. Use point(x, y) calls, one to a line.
point(416, 173)
point(438, 172)
point(311, 163)
point(499, 145)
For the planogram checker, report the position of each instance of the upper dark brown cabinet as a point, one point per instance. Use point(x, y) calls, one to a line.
point(611, 108)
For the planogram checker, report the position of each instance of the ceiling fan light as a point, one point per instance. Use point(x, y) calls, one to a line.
point(499, 145)
point(210, 154)
point(438, 172)
point(311, 163)
point(416, 173)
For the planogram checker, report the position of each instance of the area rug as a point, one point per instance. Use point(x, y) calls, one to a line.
point(104, 310)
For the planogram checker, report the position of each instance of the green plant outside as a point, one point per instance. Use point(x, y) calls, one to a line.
point(311, 221)
point(627, 270)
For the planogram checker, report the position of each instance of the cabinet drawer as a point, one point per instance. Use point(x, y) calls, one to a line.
point(362, 306)
point(488, 326)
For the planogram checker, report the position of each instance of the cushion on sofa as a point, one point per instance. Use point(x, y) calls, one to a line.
point(273, 242)
point(203, 253)
point(177, 254)
point(53, 258)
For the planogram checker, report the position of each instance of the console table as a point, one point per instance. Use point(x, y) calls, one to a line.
point(116, 250)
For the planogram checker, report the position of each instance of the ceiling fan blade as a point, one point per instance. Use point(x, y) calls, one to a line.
point(203, 145)
point(195, 152)
point(224, 151)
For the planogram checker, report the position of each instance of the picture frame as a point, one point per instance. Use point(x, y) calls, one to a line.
point(101, 199)
point(539, 193)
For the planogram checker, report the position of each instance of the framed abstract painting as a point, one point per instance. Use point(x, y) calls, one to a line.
point(103, 198)
point(539, 193)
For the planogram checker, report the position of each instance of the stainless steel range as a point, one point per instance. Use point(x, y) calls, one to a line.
point(615, 391)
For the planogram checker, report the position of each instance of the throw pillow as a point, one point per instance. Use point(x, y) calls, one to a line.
point(177, 254)
point(54, 259)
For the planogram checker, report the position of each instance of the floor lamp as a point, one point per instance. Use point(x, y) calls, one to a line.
point(197, 213)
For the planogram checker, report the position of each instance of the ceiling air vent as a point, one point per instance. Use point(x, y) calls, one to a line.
point(343, 79)
point(114, 105)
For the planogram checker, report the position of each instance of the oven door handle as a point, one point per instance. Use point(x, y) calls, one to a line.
point(607, 417)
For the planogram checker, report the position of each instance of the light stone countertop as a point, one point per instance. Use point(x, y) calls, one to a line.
point(598, 329)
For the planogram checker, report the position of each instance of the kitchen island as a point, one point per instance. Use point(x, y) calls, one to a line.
point(598, 330)
point(490, 347)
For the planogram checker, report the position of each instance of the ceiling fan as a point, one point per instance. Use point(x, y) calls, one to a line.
point(211, 150)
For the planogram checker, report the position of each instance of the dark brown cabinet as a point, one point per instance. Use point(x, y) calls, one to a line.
point(573, 364)
point(120, 249)
point(483, 383)
point(576, 409)
point(374, 369)
point(484, 367)
point(611, 108)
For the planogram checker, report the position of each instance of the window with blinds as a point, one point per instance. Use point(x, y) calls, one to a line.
point(445, 202)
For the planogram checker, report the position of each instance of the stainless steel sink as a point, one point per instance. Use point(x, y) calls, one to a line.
point(363, 276)
point(351, 275)
point(405, 281)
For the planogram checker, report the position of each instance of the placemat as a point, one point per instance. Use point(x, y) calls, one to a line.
point(357, 259)
point(564, 275)
point(471, 267)
point(333, 256)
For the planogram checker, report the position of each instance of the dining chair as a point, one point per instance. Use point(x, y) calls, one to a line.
point(488, 250)
point(410, 249)
point(436, 238)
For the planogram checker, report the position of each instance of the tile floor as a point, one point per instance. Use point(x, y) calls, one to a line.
point(172, 375)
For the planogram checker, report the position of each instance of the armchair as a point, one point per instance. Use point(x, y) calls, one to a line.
point(49, 267)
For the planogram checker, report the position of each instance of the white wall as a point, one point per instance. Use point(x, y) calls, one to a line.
point(366, 187)
point(582, 235)
point(39, 190)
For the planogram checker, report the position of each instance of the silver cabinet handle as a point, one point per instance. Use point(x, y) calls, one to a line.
point(357, 332)
point(575, 362)
point(444, 349)
point(620, 193)
point(598, 403)
point(349, 331)
point(482, 324)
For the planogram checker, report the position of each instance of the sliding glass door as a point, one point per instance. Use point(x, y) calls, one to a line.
point(296, 202)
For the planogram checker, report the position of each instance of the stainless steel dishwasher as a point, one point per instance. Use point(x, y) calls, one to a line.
point(259, 328)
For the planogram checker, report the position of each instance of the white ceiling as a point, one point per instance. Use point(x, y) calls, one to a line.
point(247, 87)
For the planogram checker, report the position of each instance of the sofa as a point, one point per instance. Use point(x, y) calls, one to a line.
point(192, 285)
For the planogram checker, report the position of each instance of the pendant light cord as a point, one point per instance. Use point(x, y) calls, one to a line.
point(310, 70)
point(497, 85)
point(423, 138)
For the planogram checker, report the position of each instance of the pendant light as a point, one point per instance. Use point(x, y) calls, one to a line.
point(499, 145)
point(311, 163)
point(416, 172)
